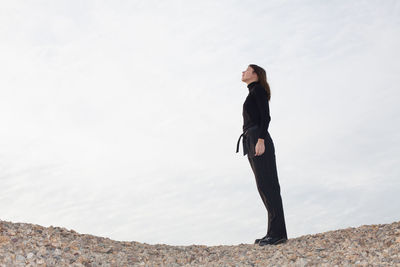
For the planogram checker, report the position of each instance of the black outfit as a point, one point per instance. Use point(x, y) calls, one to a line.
point(256, 118)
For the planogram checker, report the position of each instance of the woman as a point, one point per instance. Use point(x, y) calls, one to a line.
point(260, 150)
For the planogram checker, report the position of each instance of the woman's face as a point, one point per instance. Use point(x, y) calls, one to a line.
point(249, 75)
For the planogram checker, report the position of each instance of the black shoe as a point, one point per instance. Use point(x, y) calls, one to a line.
point(262, 238)
point(273, 241)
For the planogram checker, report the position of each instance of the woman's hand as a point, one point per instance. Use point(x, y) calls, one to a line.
point(260, 147)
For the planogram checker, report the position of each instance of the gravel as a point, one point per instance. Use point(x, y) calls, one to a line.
point(24, 244)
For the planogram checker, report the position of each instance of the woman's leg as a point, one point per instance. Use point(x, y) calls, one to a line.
point(265, 172)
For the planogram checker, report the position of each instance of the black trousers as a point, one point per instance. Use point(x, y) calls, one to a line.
point(265, 172)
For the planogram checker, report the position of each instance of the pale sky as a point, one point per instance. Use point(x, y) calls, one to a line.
point(120, 118)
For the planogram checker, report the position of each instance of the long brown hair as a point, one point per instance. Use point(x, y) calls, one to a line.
point(262, 78)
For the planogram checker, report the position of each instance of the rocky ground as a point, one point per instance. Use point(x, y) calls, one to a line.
point(24, 244)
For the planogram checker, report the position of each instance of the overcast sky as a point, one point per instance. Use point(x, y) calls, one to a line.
point(120, 118)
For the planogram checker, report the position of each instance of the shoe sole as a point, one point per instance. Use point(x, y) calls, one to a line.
point(258, 241)
point(280, 241)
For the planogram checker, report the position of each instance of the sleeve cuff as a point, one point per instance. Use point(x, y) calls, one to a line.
point(262, 136)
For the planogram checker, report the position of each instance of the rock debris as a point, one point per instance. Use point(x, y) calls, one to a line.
point(24, 244)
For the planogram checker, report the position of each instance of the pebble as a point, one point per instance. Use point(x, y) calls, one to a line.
point(24, 244)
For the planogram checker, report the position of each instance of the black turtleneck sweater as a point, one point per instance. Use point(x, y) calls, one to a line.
point(256, 109)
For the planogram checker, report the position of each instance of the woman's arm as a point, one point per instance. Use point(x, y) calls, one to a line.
point(263, 108)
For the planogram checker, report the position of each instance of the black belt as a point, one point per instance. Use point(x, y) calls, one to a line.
point(238, 142)
point(244, 133)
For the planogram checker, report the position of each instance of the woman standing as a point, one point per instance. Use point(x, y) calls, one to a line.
point(260, 150)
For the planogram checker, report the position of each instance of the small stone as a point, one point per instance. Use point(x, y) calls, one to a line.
point(292, 257)
point(20, 258)
point(57, 252)
point(30, 255)
point(4, 239)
